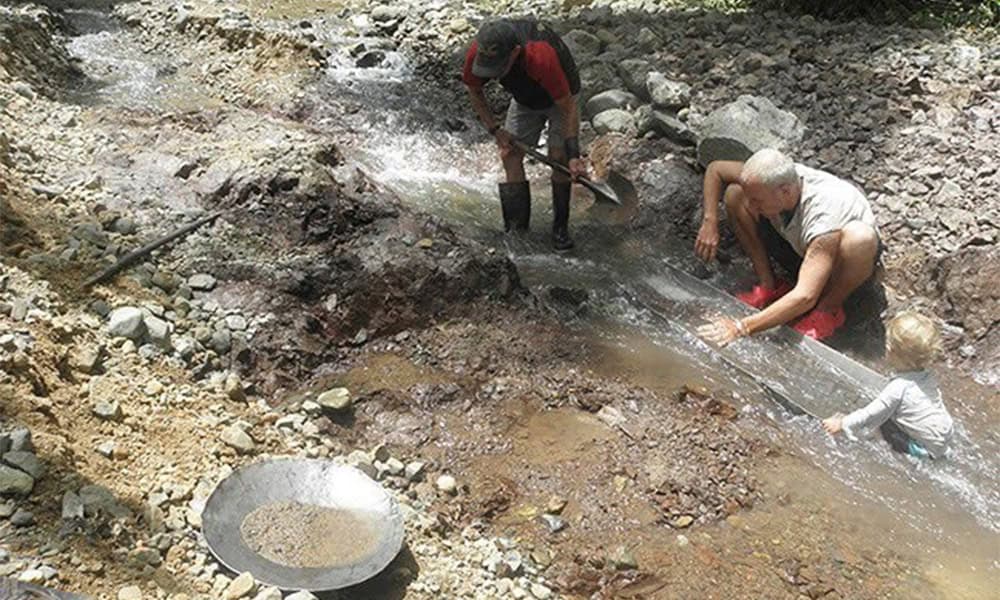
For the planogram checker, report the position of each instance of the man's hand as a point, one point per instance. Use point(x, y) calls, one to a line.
point(708, 240)
point(505, 141)
point(578, 168)
point(722, 331)
point(834, 424)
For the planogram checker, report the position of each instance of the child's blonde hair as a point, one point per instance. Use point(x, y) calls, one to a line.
point(913, 340)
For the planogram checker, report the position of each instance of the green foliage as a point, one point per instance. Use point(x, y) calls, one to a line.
point(983, 13)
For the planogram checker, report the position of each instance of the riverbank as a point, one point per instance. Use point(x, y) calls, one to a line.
point(573, 479)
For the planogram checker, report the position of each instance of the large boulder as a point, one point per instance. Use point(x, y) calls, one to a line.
point(610, 99)
point(740, 128)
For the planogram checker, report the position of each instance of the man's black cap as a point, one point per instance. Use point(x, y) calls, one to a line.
point(495, 41)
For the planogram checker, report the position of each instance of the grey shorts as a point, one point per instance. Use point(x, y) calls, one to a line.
point(526, 124)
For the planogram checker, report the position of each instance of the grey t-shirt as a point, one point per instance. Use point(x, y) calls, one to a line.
point(912, 400)
point(828, 203)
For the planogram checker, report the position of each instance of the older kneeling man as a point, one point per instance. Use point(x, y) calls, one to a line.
point(826, 220)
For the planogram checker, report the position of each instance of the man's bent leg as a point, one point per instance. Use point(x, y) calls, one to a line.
point(855, 264)
point(745, 227)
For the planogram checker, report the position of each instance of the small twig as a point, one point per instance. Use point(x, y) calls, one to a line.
point(135, 255)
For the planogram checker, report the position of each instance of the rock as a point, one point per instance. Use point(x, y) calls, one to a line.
point(31, 576)
point(132, 592)
point(671, 95)
point(633, 72)
point(87, 360)
point(123, 225)
point(394, 466)
point(610, 99)
point(623, 560)
point(99, 499)
point(127, 322)
point(22, 518)
point(14, 482)
point(18, 438)
point(363, 462)
point(106, 449)
point(240, 587)
point(268, 593)
point(664, 125)
point(7, 509)
point(236, 322)
point(158, 331)
point(614, 120)
point(238, 439)
point(540, 592)
point(384, 14)
point(737, 130)
point(446, 484)
point(553, 522)
point(595, 76)
point(415, 471)
point(107, 411)
point(582, 44)
point(165, 280)
point(23, 89)
point(555, 505)
point(234, 388)
point(682, 521)
point(72, 506)
point(303, 595)
point(370, 59)
point(201, 282)
point(965, 58)
point(336, 399)
point(19, 309)
point(221, 342)
point(25, 461)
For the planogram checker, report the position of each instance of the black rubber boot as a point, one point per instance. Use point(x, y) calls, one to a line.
point(515, 202)
point(561, 191)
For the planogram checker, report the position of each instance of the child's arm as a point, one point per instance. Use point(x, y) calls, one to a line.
point(877, 411)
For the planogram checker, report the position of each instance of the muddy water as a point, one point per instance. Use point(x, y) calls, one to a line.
point(946, 516)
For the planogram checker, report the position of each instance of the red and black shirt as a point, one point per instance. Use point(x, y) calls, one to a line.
point(543, 73)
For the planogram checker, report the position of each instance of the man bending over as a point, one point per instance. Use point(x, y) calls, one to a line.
point(826, 220)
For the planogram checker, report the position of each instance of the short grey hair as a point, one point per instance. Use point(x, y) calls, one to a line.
point(769, 167)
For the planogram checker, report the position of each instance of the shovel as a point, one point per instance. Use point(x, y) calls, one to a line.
point(602, 191)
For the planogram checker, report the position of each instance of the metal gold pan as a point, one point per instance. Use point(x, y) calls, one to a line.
point(312, 482)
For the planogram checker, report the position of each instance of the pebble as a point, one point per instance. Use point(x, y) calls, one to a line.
point(202, 282)
point(240, 587)
point(126, 322)
point(234, 388)
point(553, 522)
point(540, 592)
point(446, 484)
point(415, 470)
point(682, 521)
point(132, 592)
point(303, 595)
point(268, 593)
point(22, 518)
point(72, 506)
point(107, 411)
point(238, 439)
point(623, 560)
point(336, 399)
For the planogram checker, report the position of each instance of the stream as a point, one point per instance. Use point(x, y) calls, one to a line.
point(637, 306)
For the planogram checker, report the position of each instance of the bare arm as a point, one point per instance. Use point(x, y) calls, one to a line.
point(817, 266)
point(718, 176)
point(482, 108)
point(571, 116)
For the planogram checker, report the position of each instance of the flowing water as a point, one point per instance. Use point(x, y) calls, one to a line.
point(642, 311)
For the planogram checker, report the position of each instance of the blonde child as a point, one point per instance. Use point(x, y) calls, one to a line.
point(909, 411)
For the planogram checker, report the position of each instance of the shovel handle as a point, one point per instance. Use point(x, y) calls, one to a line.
point(558, 166)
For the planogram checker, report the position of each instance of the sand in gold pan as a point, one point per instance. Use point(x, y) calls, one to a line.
point(308, 536)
